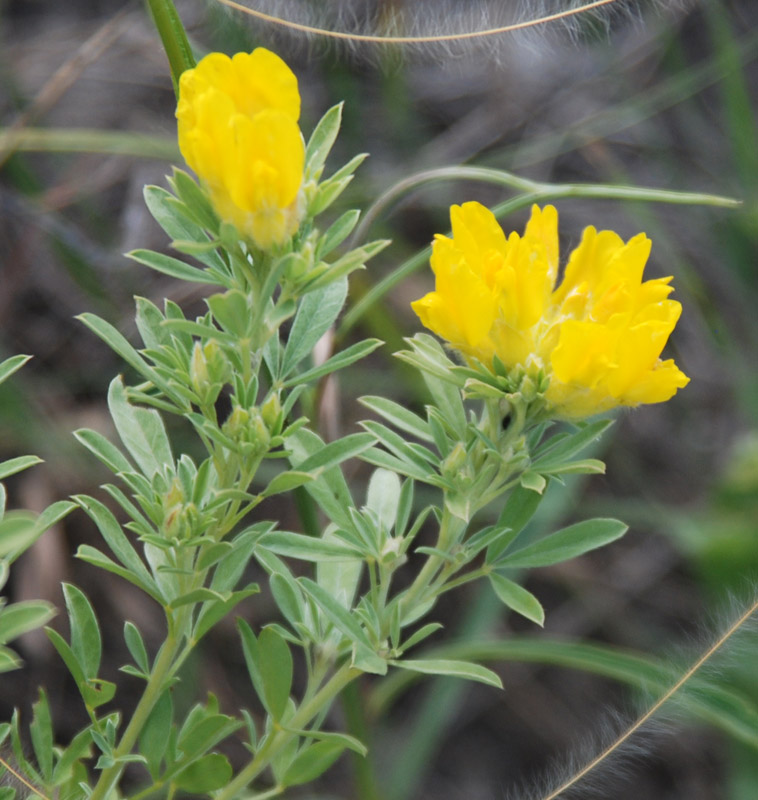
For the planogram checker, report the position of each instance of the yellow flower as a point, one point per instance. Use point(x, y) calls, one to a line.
point(598, 336)
point(238, 131)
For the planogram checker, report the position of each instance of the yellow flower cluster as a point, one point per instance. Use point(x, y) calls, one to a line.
point(238, 130)
point(598, 336)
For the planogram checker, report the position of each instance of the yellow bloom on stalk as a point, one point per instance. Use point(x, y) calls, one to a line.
point(238, 131)
point(598, 336)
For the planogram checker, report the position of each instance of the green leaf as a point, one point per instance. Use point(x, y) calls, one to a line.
point(117, 541)
point(518, 510)
point(275, 666)
point(307, 548)
point(207, 774)
point(14, 465)
point(18, 531)
point(107, 452)
point(566, 544)
point(41, 730)
point(25, 616)
point(315, 314)
point(213, 611)
point(168, 265)
point(533, 481)
point(366, 659)
point(286, 481)
point(11, 365)
point(338, 361)
point(554, 455)
point(454, 669)
point(136, 646)
point(93, 556)
point(322, 139)
point(312, 761)
point(68, 657)
point(339, 578)
point(336, 452)
point(121, 347)
point(517, 598)
point(383, 496)
point(155, 734)
point(329, 490)
point(399, 416)
point(141, 430)
point(86, 643)
point(337, 232)
point(8, 660)
point(232, 311)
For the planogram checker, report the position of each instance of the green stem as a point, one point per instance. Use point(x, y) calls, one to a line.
point(279, 739)
point(449, 528)
point(155, 685)
point(174, 38)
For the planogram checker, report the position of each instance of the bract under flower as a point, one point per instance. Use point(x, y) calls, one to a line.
point(598, 336)
point(238, 130)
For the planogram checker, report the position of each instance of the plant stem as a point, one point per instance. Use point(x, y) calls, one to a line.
point(449, 528)
point(279, 739)
point(155, 685)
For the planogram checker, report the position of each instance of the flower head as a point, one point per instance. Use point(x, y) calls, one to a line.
point(238, 131)
point(597, 336)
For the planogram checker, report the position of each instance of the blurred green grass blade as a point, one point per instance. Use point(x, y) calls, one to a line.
point(738, 111)
point(90, 140)
point(722, 707)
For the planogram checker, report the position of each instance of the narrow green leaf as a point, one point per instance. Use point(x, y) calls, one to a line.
point(337, 232)
point(399, 416)
point(24, 616)
point(322, 139)
point(86, 643)
point(339, 578)
point(517, 598)
point(92, 555)
point(567, 543)
point(338, 361)
point(345, 622)
point(520, 507)
point(454, 669)
point(336, 452)
point(154, 737)
point(136, 646)
point(141, 430)
point(117, 541)
point(8, 660)
point(307, 548)
point(315, 314)
point(107, 452)
point(207, 774)
point(18, 531)
point(275, 665)
point(168, 265)
point(11, 365)
point(552, 455)
point(312, 761)
point(14, 465)
point(41, 730)
point(286, 481)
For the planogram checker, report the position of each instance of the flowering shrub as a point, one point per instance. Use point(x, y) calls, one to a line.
point(485, 448)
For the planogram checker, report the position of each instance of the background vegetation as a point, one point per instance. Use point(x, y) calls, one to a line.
point(665, 96)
